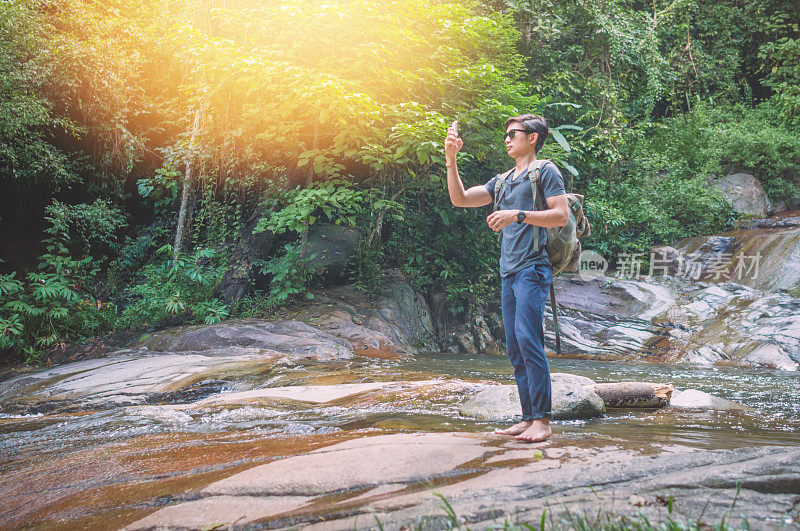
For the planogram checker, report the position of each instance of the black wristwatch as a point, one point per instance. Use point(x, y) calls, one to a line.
point(521, 216)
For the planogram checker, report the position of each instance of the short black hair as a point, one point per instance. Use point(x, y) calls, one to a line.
point(532, 124)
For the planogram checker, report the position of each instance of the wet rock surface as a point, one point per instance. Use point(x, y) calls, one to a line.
point(124, 381)
point(398, 321)
point(393, 477)
point(666, 318)
point(694, 399)
point(294, 441)
point(334, 413)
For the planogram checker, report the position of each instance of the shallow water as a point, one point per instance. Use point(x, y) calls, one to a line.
point(132, 459)
point(774, 396)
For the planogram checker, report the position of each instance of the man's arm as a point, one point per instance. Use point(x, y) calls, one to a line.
point(556, 215)
point(476, 196)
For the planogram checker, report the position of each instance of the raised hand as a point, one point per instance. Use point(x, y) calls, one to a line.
point(452, 143)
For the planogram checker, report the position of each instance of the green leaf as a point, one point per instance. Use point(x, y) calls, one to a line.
point(570, 168)
point(560, 139)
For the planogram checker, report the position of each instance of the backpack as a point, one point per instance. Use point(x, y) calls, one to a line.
point(563, 243)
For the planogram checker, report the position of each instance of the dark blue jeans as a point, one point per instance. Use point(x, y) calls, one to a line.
point(524, 296)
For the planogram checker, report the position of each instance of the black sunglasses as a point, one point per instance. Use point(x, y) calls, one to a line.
point(511, 134)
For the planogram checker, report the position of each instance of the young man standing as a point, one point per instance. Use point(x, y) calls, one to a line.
point(525, 270)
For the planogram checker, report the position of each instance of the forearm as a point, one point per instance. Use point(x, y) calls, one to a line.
point(546, 218)
point(455, 187)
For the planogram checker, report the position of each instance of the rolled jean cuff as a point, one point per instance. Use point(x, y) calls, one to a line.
point(536, 416)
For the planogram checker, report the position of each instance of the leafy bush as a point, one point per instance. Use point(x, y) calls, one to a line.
point(290, 276)
point(176, 288)
point(59, 302)
point(721, 140)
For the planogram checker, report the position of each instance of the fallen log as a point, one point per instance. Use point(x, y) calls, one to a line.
point(633, 394)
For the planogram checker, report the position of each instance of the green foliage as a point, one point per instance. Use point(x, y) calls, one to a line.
point(645, 101)
point(445, 250)
point(164, 187)
point(180, 288)
point(290, 276)
point(59, 302)
point(780, 57)
point(92, 228)
point(27, 153)
point(366, 270)
point(711, 140)
point(255, 305)
point(292, 211)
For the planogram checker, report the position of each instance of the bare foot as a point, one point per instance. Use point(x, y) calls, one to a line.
point(516, 429)
point(538, 431)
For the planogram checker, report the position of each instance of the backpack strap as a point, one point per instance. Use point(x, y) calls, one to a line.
point(500, 188)
point(555, 317)
point(533, 171)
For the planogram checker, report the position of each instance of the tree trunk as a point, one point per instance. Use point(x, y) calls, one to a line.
point(187, 178)
point(374, 238)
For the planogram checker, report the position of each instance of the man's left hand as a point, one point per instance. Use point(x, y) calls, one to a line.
point(501, 218)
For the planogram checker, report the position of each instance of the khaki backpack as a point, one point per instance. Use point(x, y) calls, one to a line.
point(563, 243)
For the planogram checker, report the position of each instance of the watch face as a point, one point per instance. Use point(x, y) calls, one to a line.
point(520, 217)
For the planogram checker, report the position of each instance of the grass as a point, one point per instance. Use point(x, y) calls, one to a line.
point(567, 520)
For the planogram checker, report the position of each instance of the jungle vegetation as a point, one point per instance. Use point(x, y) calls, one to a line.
point(140, 140)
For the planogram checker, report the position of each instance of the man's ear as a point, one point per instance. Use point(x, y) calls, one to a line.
point(534, 138)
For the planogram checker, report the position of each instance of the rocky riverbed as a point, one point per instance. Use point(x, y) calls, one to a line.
point(286, 424)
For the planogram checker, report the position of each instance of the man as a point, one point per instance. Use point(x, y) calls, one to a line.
point(525, 271)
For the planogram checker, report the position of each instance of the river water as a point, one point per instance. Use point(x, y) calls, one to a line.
point(100, 468)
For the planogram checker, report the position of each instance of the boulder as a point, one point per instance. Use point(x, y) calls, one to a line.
point(240, 277)
point(407, 309)
point(694, 399)
point(571, 400)
point(771, 356)
point(287, 337)
point(745, 194)
point(333, 248)
point(398, 321)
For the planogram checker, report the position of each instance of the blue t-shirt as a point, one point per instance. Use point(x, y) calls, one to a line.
point(516, 251)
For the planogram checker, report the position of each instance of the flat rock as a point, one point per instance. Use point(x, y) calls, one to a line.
point(123, 380)
point(342, 486)
point(314, 394)
point(287, 337)
point(217, 512)
point(355, 464)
